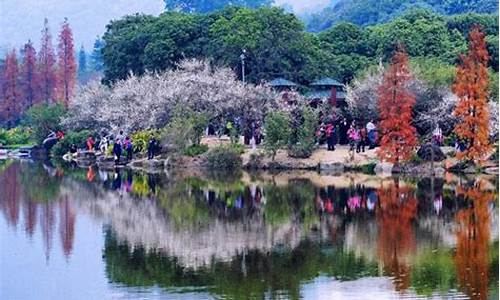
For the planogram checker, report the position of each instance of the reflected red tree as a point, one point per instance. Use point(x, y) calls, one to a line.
point(473, 235)
point(396, 238)
point(47, 221)
point(30, 208)
point(66, 225)
point(10, 193)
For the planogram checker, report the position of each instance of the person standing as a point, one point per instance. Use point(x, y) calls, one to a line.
point(353, 136)
point(103, 145)
point(151, 148)
point(371, 134)
point(362, 140)
point(331, 136)
point(117, 151)
point(121, 137)
point(128, 148)
point(90, 143)
point(343, 128)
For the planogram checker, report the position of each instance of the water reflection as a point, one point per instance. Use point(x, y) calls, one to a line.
point(266, 236)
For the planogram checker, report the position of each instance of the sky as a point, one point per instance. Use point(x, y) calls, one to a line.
point(21, 20)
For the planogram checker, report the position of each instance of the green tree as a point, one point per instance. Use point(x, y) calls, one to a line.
point(277, 132)
point(43, 119)
point(203, 6)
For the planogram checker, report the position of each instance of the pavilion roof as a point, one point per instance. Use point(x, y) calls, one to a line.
point(326, 82)
point(281, 82)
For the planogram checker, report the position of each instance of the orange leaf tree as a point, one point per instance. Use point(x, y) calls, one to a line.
point(471, 87)
point(398, 136)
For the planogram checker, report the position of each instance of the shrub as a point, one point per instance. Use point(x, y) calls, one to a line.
point(42, 119)
point(14, 136)
point(305, 136)
point(78, 138)
point(140, 139)
point(277, 132)
point(186, 128)
point(224, 157)
point(195, 150)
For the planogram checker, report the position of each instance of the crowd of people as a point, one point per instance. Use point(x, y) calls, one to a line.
point(342, 132)
point(122, 145)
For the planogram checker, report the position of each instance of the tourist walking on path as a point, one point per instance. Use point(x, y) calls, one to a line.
point(128, 148)
point(117, 151)
point(90, 143)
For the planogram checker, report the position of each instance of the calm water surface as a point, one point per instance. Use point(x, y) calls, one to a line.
point(70, 233)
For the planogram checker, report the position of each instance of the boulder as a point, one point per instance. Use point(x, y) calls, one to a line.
point(331, 167)
point(425, 152)
point(383, 168)
point(88, 156)
point(39, 153)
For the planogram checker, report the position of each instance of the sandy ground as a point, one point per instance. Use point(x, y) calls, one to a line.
point(340, 155)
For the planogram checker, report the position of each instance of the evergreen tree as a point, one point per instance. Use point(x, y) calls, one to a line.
point(82, 64)
point(96, 62)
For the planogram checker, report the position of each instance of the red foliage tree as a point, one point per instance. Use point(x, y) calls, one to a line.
point(396, 239)
point(29, 77)
point(66, 64)
point(46, 65)
point(473, 237)
point(471, 87)
point(398, 136)
point(11, 106)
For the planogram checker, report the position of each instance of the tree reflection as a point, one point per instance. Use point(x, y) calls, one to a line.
point(396, 241)
point(473, 236)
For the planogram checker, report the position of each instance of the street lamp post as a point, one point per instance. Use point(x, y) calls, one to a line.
point(243, 57)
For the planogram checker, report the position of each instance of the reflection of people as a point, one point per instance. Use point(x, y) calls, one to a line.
point(372, 200)
point(90, 174)
point(117, 182)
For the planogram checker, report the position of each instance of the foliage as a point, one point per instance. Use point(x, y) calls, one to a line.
point(66, 64)
point(276, 131)
point(141, 138)
point(186, 128)
point(304, 141)
point(195, 150)
point(46, 65)
point(472, 111)
point(11, 106)
point(398, 138)
point(434, 270)
point(73, 137)
point(14, 136)
point(42, 119)
point(201, 6)
point(224, 157)
point(30, 81)
point(369, 12)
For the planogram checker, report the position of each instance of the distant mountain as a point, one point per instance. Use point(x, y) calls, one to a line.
point(369, 12)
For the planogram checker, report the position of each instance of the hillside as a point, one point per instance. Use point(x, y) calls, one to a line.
point(369, 12)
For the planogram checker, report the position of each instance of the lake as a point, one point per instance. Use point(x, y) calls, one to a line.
point(70, 233)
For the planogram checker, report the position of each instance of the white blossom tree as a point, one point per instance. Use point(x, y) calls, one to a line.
point(147, 101)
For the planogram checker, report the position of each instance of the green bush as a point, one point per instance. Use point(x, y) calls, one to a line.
point(140, 139)
point(14, 136)
point(78, 138)
point(186, 128)
point(42, 119)
point(305, 136)
point(277, 132)
point(224, 157)
point(195, 150)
